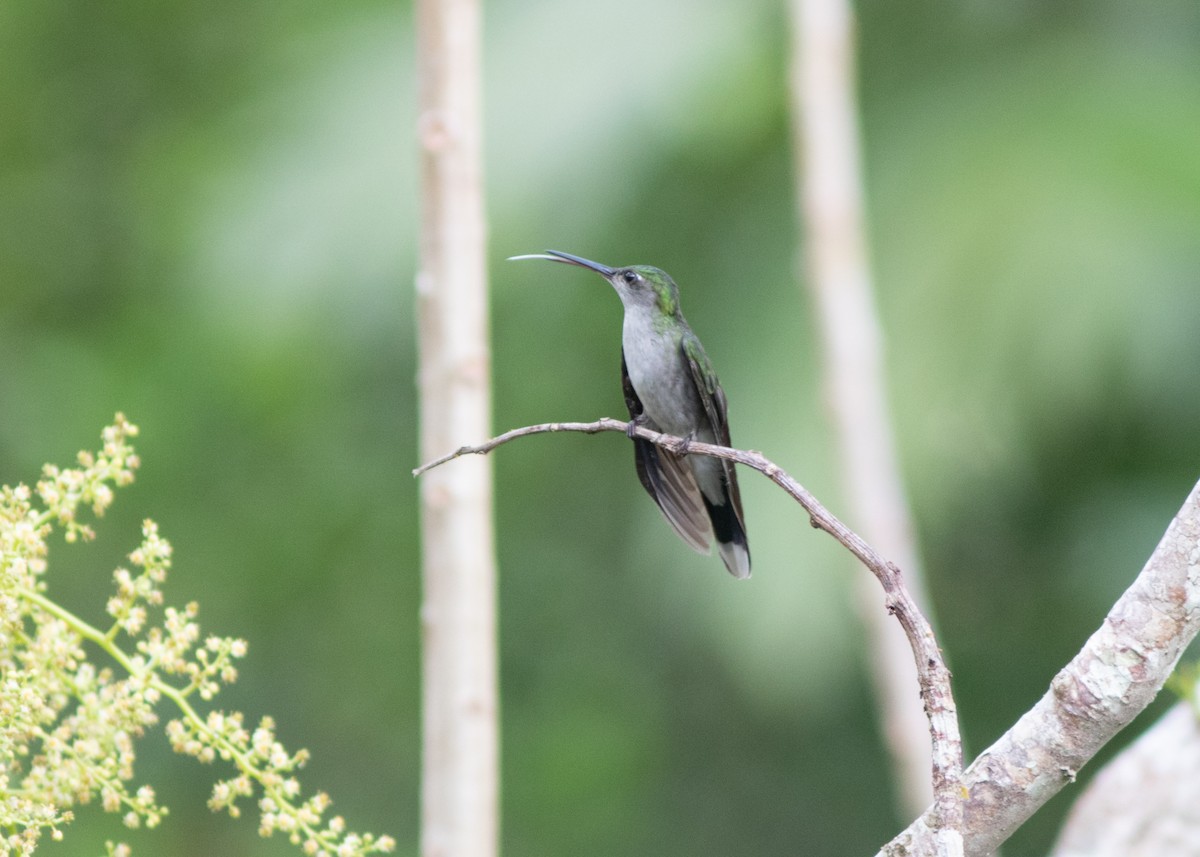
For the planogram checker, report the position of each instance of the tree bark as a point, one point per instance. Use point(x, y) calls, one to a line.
point(1146, 801)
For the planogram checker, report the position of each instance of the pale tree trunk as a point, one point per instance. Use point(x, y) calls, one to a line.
point(459, 784)
point(829, 196)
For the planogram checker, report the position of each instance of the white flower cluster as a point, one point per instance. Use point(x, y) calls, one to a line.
point(67, 727)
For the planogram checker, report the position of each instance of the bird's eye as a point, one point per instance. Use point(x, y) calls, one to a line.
point(630, 277)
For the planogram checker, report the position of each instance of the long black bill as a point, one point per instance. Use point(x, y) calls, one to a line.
point(568, 258)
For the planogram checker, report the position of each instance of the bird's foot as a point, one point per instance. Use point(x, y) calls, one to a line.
point(682, 446)
point(633, 425)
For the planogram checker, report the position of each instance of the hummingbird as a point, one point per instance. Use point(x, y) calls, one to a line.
point(670, 387)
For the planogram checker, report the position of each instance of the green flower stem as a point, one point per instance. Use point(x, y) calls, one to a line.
point(82, 628)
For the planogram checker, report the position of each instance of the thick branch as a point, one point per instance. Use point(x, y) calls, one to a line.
point(932, 675)
point(1117, 673)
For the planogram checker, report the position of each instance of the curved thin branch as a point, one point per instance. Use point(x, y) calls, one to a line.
point(932, 674)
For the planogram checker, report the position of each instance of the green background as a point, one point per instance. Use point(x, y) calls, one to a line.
point(208, 220)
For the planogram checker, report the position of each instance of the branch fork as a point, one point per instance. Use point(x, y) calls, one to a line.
point(1117, 673)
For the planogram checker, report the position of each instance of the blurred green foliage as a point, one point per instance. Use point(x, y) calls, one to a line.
point(207, 220)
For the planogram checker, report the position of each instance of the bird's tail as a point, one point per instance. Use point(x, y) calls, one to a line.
point(736, 556)
point(731, 536)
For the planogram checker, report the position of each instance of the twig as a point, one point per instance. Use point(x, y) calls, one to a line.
point(602, 424)
point(932, 674)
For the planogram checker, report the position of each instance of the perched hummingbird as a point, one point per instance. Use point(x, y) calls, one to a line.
point(670, 387)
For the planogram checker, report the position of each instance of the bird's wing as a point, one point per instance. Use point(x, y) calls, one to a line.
point(712, 397)
point(668, 479)
point(708, 389)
